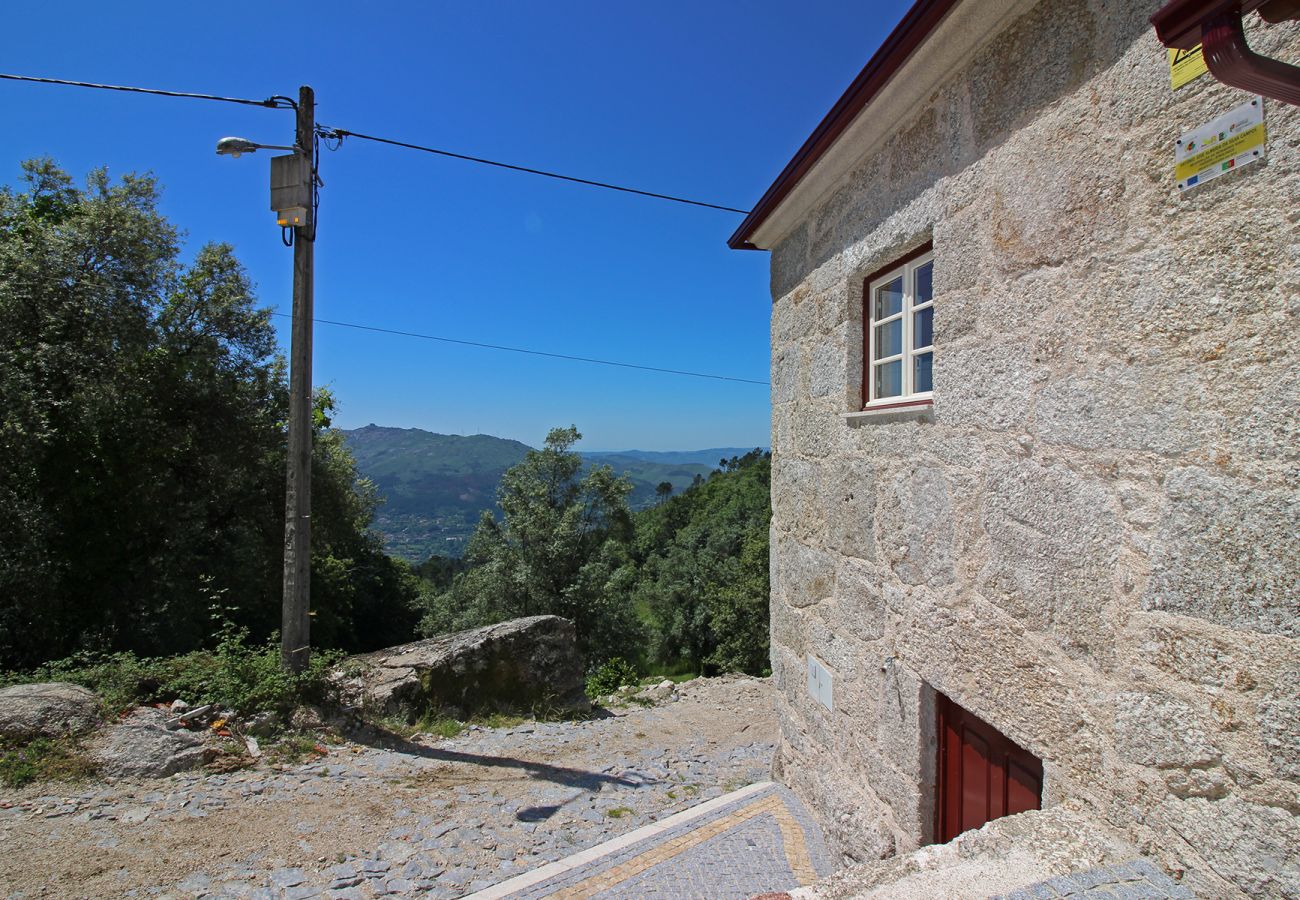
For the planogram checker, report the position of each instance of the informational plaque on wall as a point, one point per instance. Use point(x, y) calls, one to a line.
point(1231, 141)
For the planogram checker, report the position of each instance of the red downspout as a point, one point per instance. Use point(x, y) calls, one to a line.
point(1223, 42)
point(1217, 27)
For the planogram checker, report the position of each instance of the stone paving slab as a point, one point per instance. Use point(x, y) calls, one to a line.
point(1137, 879)
point(758, 839)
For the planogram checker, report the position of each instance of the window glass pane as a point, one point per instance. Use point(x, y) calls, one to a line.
point(923, 374)
point(923, 327)
point(925, 283)
point(889, 379)
point(889, 299)
point(889, 339)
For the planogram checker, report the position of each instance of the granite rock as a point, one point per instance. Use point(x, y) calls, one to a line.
point(47, 710)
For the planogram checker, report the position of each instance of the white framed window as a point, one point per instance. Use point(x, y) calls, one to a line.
point(899, 334)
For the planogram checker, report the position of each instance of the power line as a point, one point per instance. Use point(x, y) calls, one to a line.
point(281, 102)
point(342, 133)
point(586, 359)
point(276, 102)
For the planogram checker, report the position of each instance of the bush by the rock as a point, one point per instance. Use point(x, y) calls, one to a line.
point(610, 676)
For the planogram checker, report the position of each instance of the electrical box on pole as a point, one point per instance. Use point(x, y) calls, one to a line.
point(291, 190)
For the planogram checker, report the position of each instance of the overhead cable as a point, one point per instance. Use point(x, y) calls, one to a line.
point(276, 102)
point(586, 359)
point(340, 133)
point(337, 134)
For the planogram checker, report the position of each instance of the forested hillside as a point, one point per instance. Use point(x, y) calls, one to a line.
point(680, 586)
point(434, 486)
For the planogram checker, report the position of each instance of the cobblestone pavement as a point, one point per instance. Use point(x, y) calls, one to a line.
point(428, 817)
point(757, 840)
point(1135, 880)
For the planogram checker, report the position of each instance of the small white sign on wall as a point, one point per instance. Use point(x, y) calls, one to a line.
point(1231, 141)
point(819, 682)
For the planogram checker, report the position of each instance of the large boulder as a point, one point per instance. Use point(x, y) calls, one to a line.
point(47, 710)
point(142, 746)
point(526, 665)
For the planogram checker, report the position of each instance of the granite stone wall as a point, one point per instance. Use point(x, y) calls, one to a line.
point(1092, 540)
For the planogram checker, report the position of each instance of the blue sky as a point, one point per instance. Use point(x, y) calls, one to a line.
point(704, 100)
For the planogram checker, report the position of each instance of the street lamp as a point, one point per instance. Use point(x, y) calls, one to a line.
point(293, 182)
point(234, 147)
point(293, 194)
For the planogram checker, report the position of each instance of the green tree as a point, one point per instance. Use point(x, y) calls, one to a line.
point(560, 549)
point(129, 387)
point(362, 599)
point(142, 438)
point(701, 570)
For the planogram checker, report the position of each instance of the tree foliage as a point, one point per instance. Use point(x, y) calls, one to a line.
point(683, 584)
point(700, 563)
point(559, 549)
point(142, 411)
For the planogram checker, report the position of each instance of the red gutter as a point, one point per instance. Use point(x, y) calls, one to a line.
point(916, 26)
point(1216, 25)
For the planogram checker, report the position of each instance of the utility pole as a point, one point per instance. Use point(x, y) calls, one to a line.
point(295, 628)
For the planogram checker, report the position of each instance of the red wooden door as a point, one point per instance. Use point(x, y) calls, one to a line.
point(983, 775)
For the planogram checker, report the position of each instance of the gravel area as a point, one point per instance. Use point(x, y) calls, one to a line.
point(427, 817)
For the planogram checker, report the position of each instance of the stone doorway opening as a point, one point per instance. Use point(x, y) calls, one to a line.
point(982, 774)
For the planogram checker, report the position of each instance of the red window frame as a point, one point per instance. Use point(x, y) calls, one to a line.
point(911, 256)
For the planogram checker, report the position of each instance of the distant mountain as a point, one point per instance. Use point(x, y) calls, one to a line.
point(646, 476)
point(709, 458)
point(435, 486)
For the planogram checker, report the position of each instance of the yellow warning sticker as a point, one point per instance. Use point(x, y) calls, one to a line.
point(1229, 142)
point(1186, 66)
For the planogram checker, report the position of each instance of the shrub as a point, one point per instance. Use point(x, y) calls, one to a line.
point(610, 676)
point(237, 675)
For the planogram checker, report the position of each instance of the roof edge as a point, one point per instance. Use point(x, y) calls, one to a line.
point(907, 36)
point(1178, 22)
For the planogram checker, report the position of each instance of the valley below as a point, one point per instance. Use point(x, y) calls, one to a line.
point(436, 486)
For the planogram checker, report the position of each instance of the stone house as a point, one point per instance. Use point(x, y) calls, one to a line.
point(1036, 530)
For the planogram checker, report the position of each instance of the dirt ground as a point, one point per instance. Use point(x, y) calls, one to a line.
point(428, 816)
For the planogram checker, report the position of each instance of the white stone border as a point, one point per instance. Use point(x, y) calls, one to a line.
point(550, 870)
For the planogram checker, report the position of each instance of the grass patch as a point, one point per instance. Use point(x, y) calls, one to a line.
point(499, 720)
point(291, 750)
point(44, 759)
point(618, 812)
point(442, 726)
point(681, 678)
point(678, 671)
